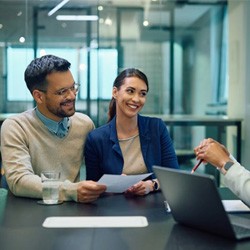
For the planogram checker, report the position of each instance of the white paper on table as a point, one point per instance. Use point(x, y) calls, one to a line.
point(120, 183)
point(95, 221)
point(235, 206)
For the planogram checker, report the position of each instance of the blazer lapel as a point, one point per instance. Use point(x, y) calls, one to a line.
point(113, 136)
point(144, 135)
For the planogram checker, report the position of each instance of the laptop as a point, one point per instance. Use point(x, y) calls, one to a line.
point(194, 201)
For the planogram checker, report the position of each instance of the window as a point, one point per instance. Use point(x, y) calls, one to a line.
point(103, 70)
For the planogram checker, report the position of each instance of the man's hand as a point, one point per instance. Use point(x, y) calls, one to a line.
point(89, 191)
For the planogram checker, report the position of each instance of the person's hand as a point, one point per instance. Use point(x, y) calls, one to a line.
point(141, 188)
point(89, 191)
point(213, 152)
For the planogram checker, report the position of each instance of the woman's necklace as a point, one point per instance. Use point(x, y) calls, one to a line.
point(127, 143)
point(126, 135)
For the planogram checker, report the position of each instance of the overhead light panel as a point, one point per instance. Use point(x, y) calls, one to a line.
point(77, 17)
point(59, 6)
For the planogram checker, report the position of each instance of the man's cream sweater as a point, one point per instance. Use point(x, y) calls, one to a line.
point(28, 148)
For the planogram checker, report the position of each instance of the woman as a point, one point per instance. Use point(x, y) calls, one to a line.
point(129, 143)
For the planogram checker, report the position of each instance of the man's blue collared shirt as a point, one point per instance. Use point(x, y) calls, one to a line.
point(60, 129)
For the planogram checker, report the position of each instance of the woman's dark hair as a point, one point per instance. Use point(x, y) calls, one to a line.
point(37, 71)
point(119, 81)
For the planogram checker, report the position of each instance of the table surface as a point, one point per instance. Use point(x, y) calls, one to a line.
point(21, 226)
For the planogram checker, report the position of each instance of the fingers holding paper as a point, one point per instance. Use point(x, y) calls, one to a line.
point(140, 188)
point(89, 191)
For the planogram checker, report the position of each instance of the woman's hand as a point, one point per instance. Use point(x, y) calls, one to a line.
point(141, 188)
point(213, 152)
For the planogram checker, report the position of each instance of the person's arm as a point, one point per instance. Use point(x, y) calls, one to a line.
point(16, 161)
point(236, 177)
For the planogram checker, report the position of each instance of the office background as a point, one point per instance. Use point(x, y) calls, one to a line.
point(194, 52)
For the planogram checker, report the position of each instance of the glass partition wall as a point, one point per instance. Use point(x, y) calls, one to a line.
point(180, 45)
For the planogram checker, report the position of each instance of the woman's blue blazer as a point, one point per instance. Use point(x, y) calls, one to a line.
point(103, 154)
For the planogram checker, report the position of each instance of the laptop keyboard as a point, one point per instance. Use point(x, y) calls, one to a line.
point(242, 231)
point(241, 225)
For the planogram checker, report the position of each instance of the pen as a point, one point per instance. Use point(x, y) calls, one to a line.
point(196, 166)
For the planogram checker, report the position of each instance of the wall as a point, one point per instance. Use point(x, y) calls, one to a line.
point(239, 73)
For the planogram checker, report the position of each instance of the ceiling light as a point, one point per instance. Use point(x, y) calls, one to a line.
point(59, 6)
point(77, 17)
point(21, 39)
point(100, 8)
point(108, 21)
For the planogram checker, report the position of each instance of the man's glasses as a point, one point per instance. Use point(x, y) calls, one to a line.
point(64, 92)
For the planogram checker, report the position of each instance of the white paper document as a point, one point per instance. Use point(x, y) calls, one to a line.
point(120, 183)
point(235, 206)
point(95, 221)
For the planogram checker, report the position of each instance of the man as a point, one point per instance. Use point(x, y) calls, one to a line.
point(236, 177)
point(49, 137)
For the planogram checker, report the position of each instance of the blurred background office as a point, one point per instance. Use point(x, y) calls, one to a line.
point(194, 52)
